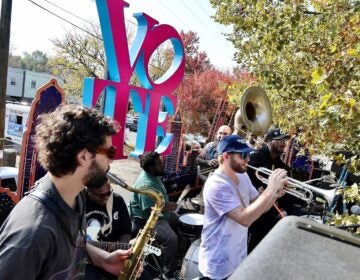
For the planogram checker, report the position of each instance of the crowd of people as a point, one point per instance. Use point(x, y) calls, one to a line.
point(54, 230)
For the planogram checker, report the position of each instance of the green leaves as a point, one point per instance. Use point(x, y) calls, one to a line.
point(318, 76)
point(308, 61)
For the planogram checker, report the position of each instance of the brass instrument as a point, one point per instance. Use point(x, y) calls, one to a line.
point(207, 170)
point(297, 188)
point(254, 114)
point(134, 261)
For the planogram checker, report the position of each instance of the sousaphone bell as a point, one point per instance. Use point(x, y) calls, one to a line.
point(254, 114)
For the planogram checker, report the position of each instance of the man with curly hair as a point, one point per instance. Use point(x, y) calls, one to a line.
point(140, 209)
point(44, 236)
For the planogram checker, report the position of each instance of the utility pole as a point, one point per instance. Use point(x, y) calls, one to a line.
point(5, 20)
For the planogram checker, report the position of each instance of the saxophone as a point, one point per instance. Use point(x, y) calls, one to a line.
point(134, 261)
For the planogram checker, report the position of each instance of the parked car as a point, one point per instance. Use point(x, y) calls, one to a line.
point(134, 125)
point(131, 122)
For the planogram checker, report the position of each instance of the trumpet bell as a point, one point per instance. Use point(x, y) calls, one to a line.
point(255, 113)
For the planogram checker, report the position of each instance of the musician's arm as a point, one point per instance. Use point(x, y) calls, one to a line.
point(111, 262)
point(201, 159)
point(246, 216)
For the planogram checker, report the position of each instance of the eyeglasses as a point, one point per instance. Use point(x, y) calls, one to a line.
point(103, 195)
point(109, 152)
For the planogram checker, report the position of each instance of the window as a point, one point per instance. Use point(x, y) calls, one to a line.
point(33, 84)
point(13, 81)
point(19, 119)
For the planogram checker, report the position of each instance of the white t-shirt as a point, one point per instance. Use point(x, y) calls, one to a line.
point(223, 241)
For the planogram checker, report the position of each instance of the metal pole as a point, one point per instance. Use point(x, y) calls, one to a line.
point(5, 20)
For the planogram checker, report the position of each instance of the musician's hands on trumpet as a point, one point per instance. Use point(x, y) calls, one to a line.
point(277, 182)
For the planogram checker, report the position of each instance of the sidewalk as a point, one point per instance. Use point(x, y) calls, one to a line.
point(127, 170)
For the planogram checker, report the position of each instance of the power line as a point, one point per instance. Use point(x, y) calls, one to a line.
point(76, 26)
point(66, 11)
point(219, 26)
point(199, 19)
point(204, 39)
point(90, 33)
point(67, 21)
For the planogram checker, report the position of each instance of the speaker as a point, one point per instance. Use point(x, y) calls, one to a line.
point(300, 248)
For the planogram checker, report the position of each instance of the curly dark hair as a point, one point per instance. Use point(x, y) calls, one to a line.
point(63, 133)
point(148, 159)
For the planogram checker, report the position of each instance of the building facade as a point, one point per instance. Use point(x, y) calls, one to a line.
point(22, 84)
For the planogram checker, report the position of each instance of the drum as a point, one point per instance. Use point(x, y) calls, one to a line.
point(191, 224)
point(190, 227)
point(197, 201)
point(189, 269)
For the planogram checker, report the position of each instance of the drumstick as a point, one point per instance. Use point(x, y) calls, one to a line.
point(182, 196)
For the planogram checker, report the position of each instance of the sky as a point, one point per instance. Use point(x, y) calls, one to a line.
point(32, 27)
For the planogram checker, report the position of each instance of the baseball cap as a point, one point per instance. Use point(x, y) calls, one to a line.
point(233, 144)
point(276, 134)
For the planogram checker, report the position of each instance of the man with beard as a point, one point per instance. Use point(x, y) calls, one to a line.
point(44, 236)
point(140, 209)
point(232, 204)
point(208, 156)
point(269, 156)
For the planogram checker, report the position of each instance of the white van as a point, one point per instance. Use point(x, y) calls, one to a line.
point(15, 121)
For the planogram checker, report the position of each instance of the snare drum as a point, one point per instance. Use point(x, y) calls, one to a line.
point(191, 224)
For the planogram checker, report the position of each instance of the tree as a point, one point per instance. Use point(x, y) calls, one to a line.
point(36, 61)
point(14, 61)
point(306, 55)
point(195, 60)
point(198, 96)
point(78, 55)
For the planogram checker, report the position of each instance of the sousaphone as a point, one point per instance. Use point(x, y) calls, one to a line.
point(254, 114)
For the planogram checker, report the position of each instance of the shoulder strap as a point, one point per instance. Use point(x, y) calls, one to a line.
point(55, 209)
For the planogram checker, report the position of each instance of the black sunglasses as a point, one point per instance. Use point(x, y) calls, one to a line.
point(109, 152)
point(243, 155)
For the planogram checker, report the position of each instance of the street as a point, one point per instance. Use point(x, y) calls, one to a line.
point(126, 169)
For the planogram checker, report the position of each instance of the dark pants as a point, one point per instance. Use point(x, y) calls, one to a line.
point(167, 237)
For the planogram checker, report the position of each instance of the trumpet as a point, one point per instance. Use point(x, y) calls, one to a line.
point(297, 188)
point(207, 170)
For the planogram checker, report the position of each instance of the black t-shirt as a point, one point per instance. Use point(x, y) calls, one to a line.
point(34, 243)
point(97, 217)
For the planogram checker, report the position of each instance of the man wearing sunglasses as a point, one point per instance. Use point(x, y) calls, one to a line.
point(232, 204)
point(107, 216)
point(107, 219)
point(45, 233)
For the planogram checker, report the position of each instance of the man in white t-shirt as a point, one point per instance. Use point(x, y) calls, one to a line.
point(232, 204)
